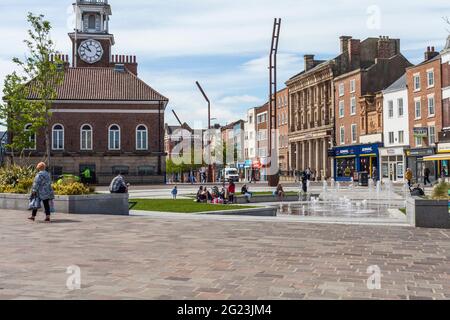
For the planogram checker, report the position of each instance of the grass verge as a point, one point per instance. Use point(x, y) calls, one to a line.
point(181, 206)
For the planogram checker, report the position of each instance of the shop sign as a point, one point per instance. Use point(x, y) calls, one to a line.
point(420, 132)
point(443, 147)
point(420, 152)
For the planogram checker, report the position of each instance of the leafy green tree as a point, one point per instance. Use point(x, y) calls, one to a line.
point(29, 96)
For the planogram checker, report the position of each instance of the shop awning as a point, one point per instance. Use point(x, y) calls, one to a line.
point(437, 157)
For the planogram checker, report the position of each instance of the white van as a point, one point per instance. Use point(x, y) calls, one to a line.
point(230, 174)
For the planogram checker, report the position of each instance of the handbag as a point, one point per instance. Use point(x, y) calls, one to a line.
point(35, 203)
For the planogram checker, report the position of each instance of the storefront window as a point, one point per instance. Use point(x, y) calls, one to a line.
point(345, 167)
point(385, 169)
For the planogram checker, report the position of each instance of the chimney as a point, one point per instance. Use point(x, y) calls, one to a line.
point(387, 48)
point(309, 61)
point(430, 53)
point(344, 43)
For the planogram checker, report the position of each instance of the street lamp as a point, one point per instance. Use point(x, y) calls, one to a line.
point(209, 127)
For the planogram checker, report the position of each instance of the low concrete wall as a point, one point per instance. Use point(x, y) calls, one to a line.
point(254, 212)
point(240, 199)
point(110, 204)
point(423, 213)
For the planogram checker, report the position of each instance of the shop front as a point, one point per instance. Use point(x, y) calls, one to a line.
point(392, 161)
point(441, 159)
point(418, 160)
point(351, 160)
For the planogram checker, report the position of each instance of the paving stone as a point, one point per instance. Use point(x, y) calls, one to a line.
point(165, 258)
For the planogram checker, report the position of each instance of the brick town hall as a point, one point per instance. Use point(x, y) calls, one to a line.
point(105, 118)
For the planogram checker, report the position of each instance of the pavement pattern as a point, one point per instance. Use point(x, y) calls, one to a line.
point(140, 257)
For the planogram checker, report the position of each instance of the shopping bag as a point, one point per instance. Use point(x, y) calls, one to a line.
point(35, 203)
point(52, 206)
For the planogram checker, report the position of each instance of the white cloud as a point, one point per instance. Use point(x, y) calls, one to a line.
point(178, 30)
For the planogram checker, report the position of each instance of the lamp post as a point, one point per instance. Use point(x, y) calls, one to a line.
point(209, 127)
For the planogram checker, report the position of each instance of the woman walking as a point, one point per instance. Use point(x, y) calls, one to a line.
point(42, 191)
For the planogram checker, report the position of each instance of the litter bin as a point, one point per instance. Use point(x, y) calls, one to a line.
point(363, 178)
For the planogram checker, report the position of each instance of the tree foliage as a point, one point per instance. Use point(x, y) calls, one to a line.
point(38, 78)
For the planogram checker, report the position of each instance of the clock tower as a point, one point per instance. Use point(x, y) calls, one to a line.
point(91, 39)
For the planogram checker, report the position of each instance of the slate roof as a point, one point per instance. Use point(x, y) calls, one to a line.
point(104, 84)
point(398, 85)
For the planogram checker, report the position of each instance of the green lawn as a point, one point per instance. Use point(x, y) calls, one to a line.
point(180, 206)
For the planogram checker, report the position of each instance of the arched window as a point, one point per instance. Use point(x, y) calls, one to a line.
point(141, 137)
point(32, 136)
point(86, 137)
point(58, 137)
point(114, 137)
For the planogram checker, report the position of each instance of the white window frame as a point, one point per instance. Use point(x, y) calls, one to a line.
point(418, 141)
point(390, 109)
point(33, 137)
point(141, 148)
point(431, 98)
point(416, 82)
point(419, 102)
point(353, 106)
point(401, 106)
point(353, 86)
point(83, 140)
point(431, 142)
point(109, 137)
point(430, 72)
point(401, 137)
point(342, 135)
point(354, 133)
point(391, 137)
point(341, 89)
point(341, 109)
point(61, 131)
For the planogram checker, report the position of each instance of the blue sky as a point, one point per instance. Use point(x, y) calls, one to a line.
point(224, 43)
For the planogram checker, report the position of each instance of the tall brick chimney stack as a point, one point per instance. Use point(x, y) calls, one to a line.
point(309, 61)
point(430, 53)
point(387, 48)
point(344, 43)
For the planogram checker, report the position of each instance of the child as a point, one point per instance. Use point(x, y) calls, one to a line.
point(174, 193)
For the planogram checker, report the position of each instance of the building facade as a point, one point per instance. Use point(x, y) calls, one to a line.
point(312, 101)
point(250, 148)
point(359, 110)
point(283, 130)
point(424, 82)
point(104, 117)
point(395, 131)
point(259, 172)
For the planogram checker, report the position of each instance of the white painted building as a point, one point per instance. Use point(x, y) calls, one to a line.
point(395, 131)
point(250, 141)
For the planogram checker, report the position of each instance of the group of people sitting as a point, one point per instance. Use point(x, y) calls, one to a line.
point(216, 196)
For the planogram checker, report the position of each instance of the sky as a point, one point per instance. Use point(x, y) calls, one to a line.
point(224, 44)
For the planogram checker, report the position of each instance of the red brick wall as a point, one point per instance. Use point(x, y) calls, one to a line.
point(423, 94)
point(101, 122)
point(348, 119)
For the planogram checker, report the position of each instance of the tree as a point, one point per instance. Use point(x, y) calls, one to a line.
point(29, 96)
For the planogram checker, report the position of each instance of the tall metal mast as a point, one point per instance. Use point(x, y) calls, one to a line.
point(273, 179)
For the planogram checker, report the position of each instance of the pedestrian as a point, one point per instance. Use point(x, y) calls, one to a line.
point(426, 176)
point(42, 191)
point(118, 185)
point(174, 193)
point(374, 174)
point(231, 191)
point(247, 194)
point(409, 176)
point(308, 173)
point(304, 179)
point(279, 192)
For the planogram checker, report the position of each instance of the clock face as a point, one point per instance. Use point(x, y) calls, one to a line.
point(90, 51)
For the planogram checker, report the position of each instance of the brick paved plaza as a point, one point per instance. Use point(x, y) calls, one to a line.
point(169, 258)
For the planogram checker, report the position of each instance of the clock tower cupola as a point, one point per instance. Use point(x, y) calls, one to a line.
point(91, 39)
